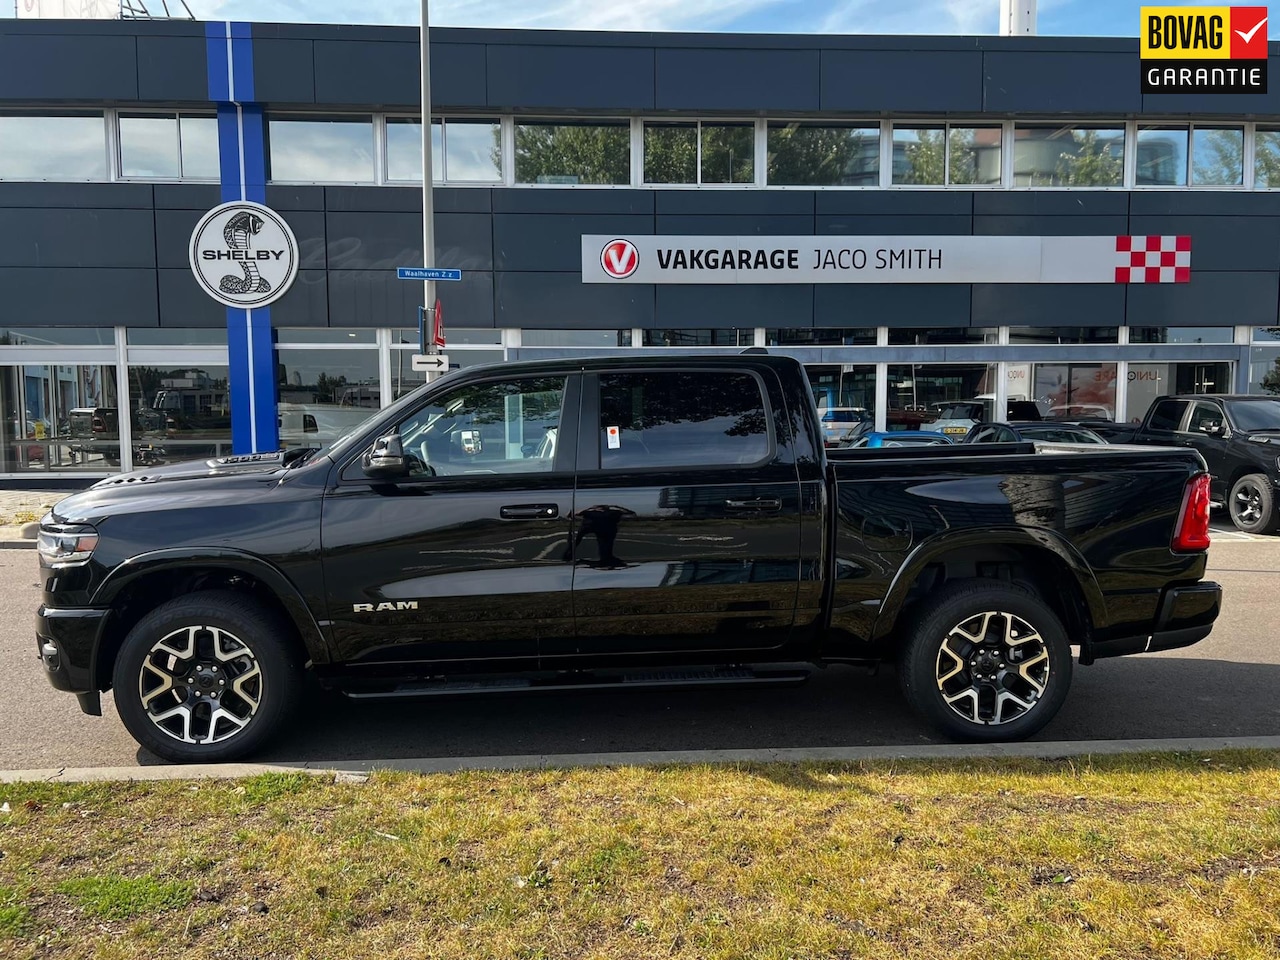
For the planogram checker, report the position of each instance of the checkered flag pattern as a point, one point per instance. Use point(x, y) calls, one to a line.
point(1153, 259)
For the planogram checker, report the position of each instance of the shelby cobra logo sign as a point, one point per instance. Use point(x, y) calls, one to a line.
point(954, 259)
point(244, 254)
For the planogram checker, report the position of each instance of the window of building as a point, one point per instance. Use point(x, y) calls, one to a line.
point(695, 152)
point(66, 146)
point(345, 336)
point(321, 394)
point(935, 154)
point(1162, 156)
point(456, 336)
point(934, 336)
point(673, 419)
point(576, 338)
point(158, 146)
point(1217, 156)
point(573, 153)
point(404, 149)
point(321, 149)
point(1264, 374)
point(404, 378)
point(1048, 155)
point(56, 336)
point(699, 338)
point(1266, 158)
point(920, 392)
point(809, 154)
point(175, 336)
point(179, 413)
point(1064, 335)
point(1070, 391)
point(821, 337)
point(58, 418)
point(845, 395)
point(507, 427)
point(1181, 334)
point(671, 153)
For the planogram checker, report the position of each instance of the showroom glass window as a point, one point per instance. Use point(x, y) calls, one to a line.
point(179, 412)
point(1147, 381)
point(568, 153)
point(698, 338)
point(1048, 155)
point(1067, 391)
point(821, 337)
point(1264, 373)
point(168, 146)
point(327, 383)
point(326, 149)
point(919, 392)
point(933, 336)
point(843, 393)
point(576, 338)
point(1064, 335)
point(820, 155)
point(58, 418)
point(467, 347)
point(1162, 156)
point(677, 419)
point(65, 146)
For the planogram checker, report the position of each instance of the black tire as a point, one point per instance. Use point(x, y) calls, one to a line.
point(1252, 504)
point(228, 635)
point(953, 616)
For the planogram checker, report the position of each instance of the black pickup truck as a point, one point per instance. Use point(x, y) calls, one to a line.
point(1239, 438)
point(630, 522)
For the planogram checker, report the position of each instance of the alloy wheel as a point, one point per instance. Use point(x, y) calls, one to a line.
point(200, 684)
point(1246, 505)
point(992, 668)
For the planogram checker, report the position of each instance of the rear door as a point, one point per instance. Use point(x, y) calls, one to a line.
point(1164, 423)
point(687, 514)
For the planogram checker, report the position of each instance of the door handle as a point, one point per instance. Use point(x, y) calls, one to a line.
point(529, 511)
point(758, 505)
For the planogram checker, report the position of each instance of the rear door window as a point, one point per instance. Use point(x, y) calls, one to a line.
point(1167, 415)
point(682, 419)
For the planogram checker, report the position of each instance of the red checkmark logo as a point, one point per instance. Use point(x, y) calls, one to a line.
point(1248, 33)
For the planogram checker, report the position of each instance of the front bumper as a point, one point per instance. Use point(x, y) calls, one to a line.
point(67, 644)
point(1185, 616)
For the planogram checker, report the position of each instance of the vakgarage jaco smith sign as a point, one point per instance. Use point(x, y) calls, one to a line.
point(951, 259)
point(244, 254)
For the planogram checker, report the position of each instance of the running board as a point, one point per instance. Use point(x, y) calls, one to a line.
point(632, 679)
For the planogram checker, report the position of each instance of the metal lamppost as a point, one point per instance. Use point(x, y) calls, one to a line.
point(428, 209)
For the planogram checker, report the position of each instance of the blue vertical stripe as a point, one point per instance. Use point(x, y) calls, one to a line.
point(242, 169)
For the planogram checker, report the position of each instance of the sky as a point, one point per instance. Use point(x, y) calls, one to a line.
point(1056, 17)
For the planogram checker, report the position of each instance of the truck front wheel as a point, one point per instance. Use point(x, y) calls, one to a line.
point(986, 661)
point(206, 677)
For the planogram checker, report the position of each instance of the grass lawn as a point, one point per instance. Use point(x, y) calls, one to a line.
point(1153, 856)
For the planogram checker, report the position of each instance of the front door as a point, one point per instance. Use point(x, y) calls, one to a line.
point(1212, 448)
point(688, 515)
point(467, 559)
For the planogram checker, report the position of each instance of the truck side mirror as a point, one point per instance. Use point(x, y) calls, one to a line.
point(1213, 428)
point(385, 460)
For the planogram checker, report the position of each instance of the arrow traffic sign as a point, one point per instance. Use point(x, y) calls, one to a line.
point(430, 362)
point(427, 273)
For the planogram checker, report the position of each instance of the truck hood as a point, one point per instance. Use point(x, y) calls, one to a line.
point(174, 484)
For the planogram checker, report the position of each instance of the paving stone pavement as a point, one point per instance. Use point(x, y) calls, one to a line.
point(13, 502)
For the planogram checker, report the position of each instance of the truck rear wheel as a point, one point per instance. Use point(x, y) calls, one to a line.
point(1252, 505)
point(986, 661)
point(207, 677)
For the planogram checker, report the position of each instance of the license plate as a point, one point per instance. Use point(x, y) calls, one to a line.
point(955, 429)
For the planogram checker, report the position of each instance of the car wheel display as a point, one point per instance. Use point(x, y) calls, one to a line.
point(207, 677)
point(986, 661)
point(1252, 504)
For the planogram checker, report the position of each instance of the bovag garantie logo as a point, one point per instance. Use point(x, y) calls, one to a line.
point(243, 254)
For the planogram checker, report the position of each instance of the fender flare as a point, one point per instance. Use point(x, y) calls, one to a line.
point(223, 558)
point(1035, 538)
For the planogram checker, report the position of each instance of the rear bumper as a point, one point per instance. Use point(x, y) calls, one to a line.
point(67, 643)
point(1186, 616)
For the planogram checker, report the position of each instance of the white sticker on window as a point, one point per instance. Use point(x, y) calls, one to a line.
point(615, 438)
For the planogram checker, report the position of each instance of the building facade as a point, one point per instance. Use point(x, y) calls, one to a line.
point(117, 137)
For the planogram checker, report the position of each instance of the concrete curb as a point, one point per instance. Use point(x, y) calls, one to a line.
point(17, 544)
point(938, 751)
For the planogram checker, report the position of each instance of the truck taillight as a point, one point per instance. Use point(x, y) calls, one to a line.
point(1192, 533)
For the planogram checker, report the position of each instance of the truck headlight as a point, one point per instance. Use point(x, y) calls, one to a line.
point(66, 545)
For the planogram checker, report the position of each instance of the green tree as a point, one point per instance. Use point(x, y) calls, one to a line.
point(671, 153)
point(1222, 163)
point(587, 153)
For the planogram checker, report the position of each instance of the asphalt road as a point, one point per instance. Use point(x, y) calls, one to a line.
point(1224, 686)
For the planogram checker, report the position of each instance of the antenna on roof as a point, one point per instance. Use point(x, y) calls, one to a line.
point(1017, 18)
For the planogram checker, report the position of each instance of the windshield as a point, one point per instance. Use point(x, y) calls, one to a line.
point(844, 415)
point(1251, 415)
point(961, 411)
